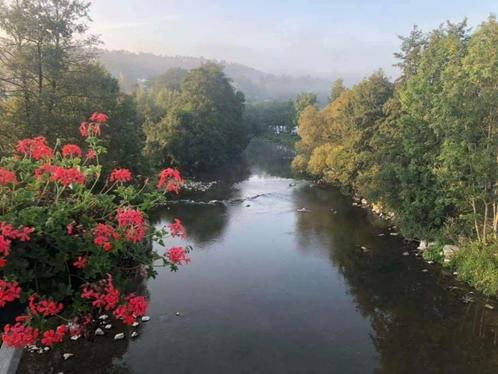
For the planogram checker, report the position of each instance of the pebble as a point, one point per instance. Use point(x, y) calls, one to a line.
point(425, 270)
point(103, 317)
point(430, 262)
point(67, 356)
point(177, 314)
point(99, 332)
point(108, 326)
point(134, 334)
point(393, 233)
point(489, 306)
point(381, 234)
point(119, 336)
point(455, 273)
point(145, 318)
point(135, 324)
point(406, 254)
point(75, 337)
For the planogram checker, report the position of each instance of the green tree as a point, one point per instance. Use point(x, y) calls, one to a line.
point(203, 128)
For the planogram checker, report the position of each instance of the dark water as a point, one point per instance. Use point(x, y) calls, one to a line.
point(272, 290)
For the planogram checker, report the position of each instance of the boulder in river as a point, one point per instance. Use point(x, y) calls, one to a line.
point(303, 210)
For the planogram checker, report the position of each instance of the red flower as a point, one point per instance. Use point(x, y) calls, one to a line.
point(71, 150)
point(9, 291)
point(177, 229)
point(89, 129)
point(99, 117)
point(91, 154)
point(3, 262)
point(68, 176)
point(7, 177)
point(135, 306)
point(36, 148)
point(19, 335)
point(133, 222)
point(103, 236)
point(8, 231)
point(51, 337)
point(81, 262)
point(23, 234)
point(70, 228)
point(45, 307)
point(177, 256)
point(44, 169)
point(104, 294)
point(171, 180)
point(4, 246)
point(120, 175)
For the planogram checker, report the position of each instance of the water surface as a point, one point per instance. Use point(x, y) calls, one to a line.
point(273, 290)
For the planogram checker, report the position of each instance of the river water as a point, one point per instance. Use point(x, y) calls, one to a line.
point(274, 290)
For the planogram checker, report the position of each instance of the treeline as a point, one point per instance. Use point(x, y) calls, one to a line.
point(424, 147)
point(50, 81)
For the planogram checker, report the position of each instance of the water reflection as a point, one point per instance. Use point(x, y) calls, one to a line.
point(417, 324)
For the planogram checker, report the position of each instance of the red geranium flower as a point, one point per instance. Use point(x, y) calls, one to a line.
point(170, 179)
point(51, 337)
point(89, 129)
point(120, 175)
point(91, 154)
point(133, 222)
point(99, 117)
point(4, 246)
point(68, 176)
point(9, 291)
point(177, 256)
point(19, 335)
point(71, 150)
point(3, 262)
point(7, 177)
point(81, 262)
point(36, 148)
point(177, 229)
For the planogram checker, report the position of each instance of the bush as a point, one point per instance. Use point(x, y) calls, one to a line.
point(72, 239)
point(434, 253)
point(477, 264)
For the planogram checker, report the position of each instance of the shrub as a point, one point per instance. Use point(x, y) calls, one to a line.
point(477, 264)
point(73, 240)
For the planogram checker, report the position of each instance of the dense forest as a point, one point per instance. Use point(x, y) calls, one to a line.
point(424, 147)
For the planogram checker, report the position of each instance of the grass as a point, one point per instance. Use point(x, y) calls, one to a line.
point(477, 264)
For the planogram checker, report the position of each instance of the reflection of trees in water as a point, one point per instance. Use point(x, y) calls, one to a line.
point(204, 223)
point(418, 325)
point(269, 158)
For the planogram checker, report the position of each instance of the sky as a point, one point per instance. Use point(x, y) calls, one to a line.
point(323, 38)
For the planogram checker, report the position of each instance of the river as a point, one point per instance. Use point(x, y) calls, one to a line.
point(274, 290)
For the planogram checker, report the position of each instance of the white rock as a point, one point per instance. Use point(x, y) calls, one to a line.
point(393, 233)
point(450, 250)
point(424, 270)
point(108, 326)
point(135, 324)
point(364, 202)
point(134, 334)
point(381, 234)
point(406, 254)
point(75, 337)
point(103, 317)
point(99, 332)
point(489, 306)
point(455, 273)
point(145, 318)
point(177, 314)
point(422, 246)
point(67, 356)
point(46, 349)
point(119, 336)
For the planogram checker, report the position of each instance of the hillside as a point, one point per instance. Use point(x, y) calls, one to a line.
point(130, 68)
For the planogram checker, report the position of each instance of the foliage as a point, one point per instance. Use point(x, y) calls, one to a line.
point(203, 126)
point(477, 264)
point(73, 240)
point(50, 80)
point(265, 117)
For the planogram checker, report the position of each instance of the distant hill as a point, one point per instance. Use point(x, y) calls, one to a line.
point(132, 68)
